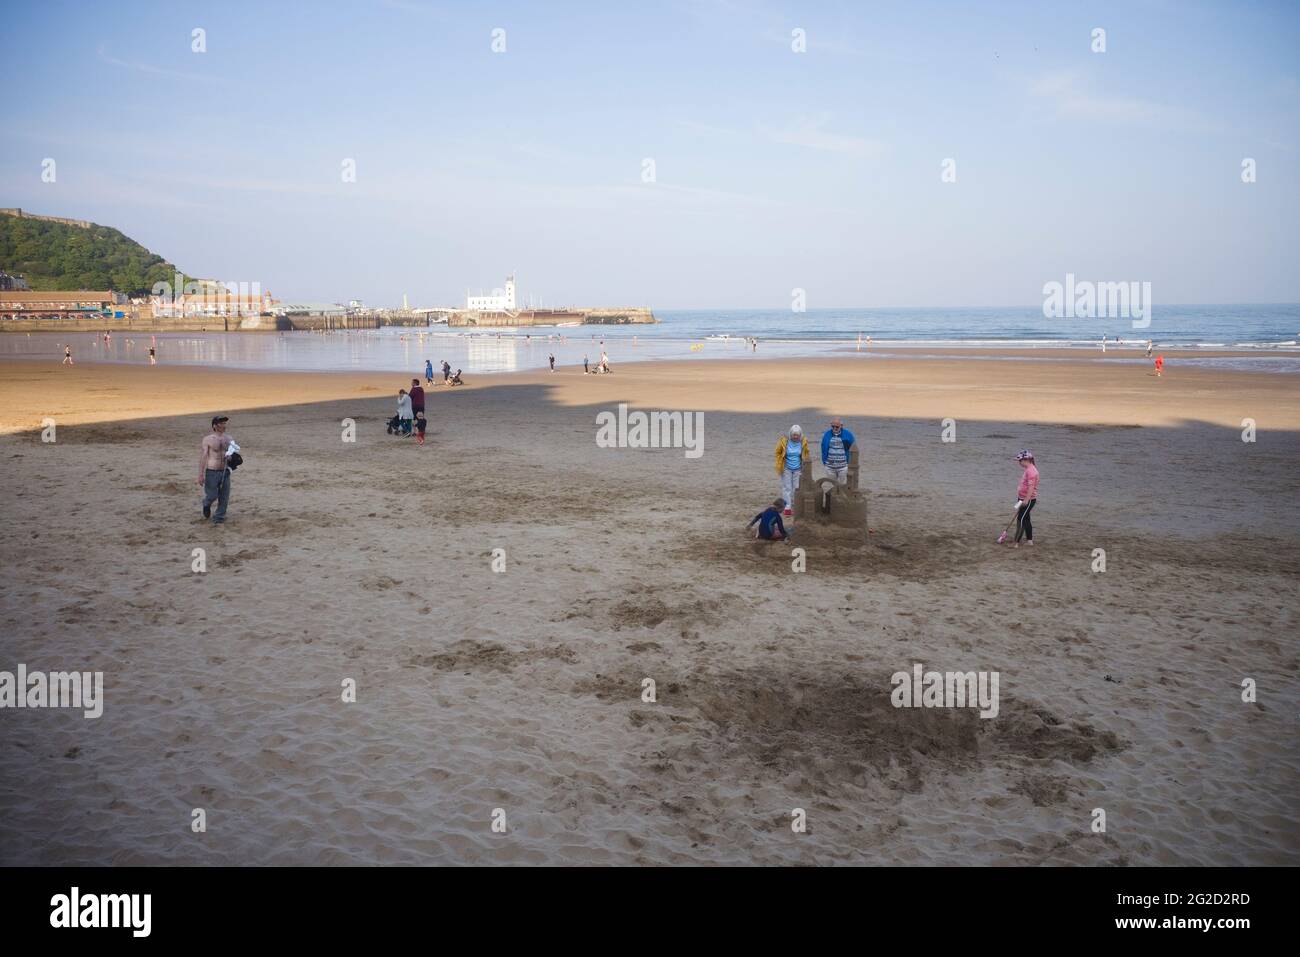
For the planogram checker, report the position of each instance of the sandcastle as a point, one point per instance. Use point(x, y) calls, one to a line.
point(821, 502)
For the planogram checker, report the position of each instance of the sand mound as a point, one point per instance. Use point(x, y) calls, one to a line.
point(472, 655)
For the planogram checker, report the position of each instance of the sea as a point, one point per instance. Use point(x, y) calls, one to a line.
point(1269, 335)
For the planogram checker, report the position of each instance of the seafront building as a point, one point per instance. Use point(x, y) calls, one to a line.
point(26, 303)
point(494, 303)
point(205, 297)
point(502, 309)
point(331, 310)
point(10, 283)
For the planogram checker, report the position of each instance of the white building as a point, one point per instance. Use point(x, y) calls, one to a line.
point(495, 302)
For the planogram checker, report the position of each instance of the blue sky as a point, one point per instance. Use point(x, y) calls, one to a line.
point(774, 169)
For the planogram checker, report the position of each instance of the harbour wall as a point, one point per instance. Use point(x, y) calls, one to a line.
point(553, 317)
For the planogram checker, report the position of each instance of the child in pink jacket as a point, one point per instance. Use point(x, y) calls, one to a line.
point(1026, 496)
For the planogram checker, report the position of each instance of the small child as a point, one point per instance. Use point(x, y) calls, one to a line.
point(420, 425)
point(1026, 496)
point(1160, 366)
point(770, 526)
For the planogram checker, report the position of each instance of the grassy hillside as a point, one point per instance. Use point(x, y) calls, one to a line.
point(54, 256)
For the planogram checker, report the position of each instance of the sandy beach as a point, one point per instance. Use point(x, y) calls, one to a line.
point(521, 690)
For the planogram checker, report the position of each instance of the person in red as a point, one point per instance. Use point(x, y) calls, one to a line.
point(1160, 365)
point(1026, 496)
point(417, 399)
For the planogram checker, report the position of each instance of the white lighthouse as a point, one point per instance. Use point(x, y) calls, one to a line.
point(499, 301)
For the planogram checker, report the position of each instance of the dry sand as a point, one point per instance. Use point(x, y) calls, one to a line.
point(521, 690)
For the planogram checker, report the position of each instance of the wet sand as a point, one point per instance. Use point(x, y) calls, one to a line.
point(521, 690)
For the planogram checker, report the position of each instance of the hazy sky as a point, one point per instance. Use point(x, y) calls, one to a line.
point(774, 169)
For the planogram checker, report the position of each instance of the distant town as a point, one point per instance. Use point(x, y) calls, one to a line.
point(188, 303)
point(246, 306)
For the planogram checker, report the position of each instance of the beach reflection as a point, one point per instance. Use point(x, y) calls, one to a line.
point(406, 350)
point(391, 349)
point(498, 355)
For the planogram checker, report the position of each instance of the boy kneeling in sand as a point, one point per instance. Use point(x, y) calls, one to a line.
point(770, 526)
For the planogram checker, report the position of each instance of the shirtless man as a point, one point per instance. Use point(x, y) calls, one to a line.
point(214, 477)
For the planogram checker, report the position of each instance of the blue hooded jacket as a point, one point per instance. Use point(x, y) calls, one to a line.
point(845, 434)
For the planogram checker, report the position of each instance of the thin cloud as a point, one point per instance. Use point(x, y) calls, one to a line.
point(696, 127)
point(152, 70)
point(808, 132)
point(811, 132)
point(1071, 96)
point(541, 151)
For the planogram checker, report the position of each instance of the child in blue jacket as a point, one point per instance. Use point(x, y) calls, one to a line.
point(770, 526)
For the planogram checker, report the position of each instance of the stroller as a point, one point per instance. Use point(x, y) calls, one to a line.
point(396, 426)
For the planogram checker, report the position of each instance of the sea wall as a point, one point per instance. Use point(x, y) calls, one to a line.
point(97, 323)
point(618, 317)
point(140, 321)
point(148, 323)
point(554, 317)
